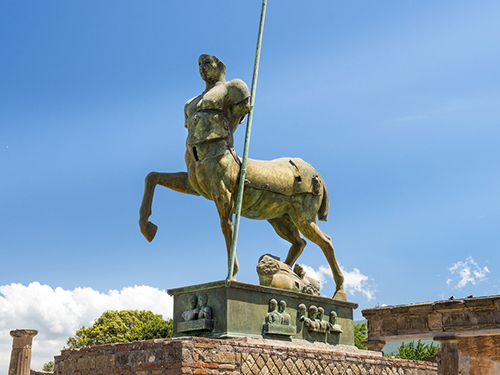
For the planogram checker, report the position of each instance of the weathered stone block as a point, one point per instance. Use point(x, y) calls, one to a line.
point(225, 357)
point(103, 361)
point(86, 363)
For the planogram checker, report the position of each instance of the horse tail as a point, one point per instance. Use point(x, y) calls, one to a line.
point(325, 205)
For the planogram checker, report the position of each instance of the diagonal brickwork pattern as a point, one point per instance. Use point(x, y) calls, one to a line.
point(193, 355)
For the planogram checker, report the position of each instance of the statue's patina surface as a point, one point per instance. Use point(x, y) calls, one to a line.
point(276, 274)
point(198, 316)
point(277, 321)
point(287, 192)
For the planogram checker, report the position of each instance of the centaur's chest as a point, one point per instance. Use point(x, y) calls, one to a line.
point(213, 99)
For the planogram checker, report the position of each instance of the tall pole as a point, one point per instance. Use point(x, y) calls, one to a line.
point(239, 198)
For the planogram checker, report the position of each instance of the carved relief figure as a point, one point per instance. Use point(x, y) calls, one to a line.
point(323, 325)
point(285, 317)
point(310, 322)
point(314, 322)
point(192, 312)
point(334, 327)
point(198, 316)
point(205, 312)
point(273, 316)
point(287, 192)
point(301, 312)
point(277, 321)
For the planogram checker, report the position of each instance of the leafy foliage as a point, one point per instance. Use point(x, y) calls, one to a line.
point(122, 326)
point(420, 352)
point(360, 335)
point(49, 366)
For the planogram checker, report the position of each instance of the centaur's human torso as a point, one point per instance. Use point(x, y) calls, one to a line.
point(211, 119)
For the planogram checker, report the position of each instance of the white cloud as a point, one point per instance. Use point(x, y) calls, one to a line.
point(320, 274)
point(354, 281)
point(58, 313)
point(466, 272)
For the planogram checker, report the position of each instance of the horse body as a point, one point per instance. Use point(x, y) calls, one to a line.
point(288, 192)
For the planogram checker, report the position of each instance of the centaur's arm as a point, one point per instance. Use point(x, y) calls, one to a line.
point(238, 102)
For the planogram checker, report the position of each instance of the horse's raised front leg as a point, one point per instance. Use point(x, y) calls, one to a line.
point(175, 181)
point(223, 199)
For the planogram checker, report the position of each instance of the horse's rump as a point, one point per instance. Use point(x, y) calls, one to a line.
point(287, 176)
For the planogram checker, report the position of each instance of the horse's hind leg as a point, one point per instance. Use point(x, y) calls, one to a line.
point(289, 232)
point(175, 181)
point(312, 232)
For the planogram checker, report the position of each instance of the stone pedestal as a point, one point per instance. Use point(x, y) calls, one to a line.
point(20, 358)
point(243, 310)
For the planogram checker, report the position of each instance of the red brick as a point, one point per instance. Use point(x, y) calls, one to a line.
point(200, 371)
point(210, 365)
point(182, 370)
point(192, 364)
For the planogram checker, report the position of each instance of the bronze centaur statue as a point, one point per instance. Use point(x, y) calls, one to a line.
point(287, 192)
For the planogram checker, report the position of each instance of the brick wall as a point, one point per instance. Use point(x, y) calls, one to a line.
point(480, 355)
point(39, 372)
point(244, 356)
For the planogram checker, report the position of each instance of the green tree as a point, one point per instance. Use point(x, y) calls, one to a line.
point(122, 326)
point(420, 352)
point(360, 335)
point(49, 366)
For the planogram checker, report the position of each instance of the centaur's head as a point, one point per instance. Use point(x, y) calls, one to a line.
point(211, 69)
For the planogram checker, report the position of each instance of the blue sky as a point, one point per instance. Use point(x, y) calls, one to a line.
point(397, 104)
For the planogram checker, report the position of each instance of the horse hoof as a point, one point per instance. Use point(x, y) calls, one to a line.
point(149, 231)
point(340, 295)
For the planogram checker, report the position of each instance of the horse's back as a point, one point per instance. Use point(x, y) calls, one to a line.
point(287, 176)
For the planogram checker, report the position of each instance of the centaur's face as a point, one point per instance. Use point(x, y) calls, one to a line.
point(209, 71)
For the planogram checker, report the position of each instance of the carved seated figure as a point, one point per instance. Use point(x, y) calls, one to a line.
point(323, 325)
point(334, 327)
point(310, 321)
point(277, 321)
point(205, 312)
point(192, 312)
point(273, 316)
point(198, 316)
point(285, 317)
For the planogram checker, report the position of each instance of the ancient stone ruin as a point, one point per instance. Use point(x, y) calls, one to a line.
point(468, 331)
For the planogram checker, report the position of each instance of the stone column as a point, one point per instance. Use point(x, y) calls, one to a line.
point(448, 359)
point(20, 357)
